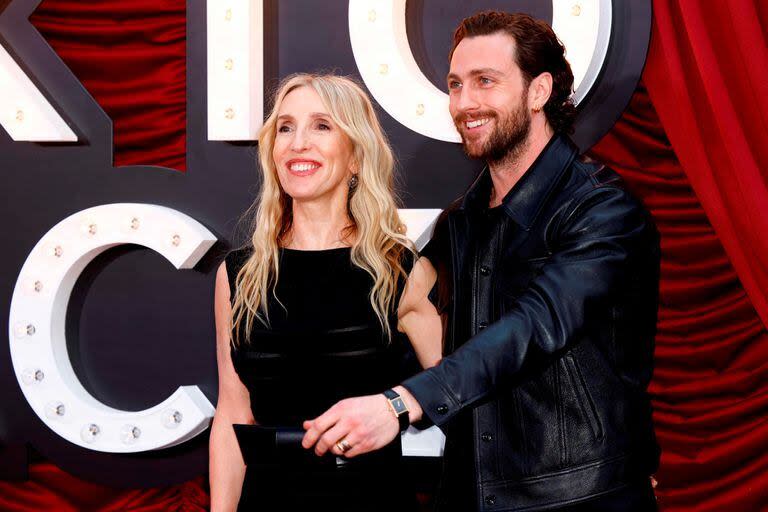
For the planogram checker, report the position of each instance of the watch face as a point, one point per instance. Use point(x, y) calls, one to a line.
point(398, 405)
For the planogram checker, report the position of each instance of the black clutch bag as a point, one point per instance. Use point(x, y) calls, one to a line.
point(275, 445)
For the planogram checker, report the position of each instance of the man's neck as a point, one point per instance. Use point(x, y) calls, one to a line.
point(507, 172)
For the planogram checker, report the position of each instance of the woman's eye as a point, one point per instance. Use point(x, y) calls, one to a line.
point(323, 126)
point(284, 129)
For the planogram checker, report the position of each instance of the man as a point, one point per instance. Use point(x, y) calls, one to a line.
point(548, 271)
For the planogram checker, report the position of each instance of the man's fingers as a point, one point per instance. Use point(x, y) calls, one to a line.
point(330, 438)
point(359, 446)
point(318, 426)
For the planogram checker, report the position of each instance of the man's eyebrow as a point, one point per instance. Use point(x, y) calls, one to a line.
point(475, 72)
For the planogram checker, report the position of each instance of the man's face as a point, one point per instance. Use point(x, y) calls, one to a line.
point(488, 97)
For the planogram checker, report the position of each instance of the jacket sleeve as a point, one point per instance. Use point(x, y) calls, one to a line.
point(600, 236)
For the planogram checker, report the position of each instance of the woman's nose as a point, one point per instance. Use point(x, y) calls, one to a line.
point(300, 141)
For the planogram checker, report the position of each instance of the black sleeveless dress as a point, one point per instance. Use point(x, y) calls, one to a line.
point(324, 343)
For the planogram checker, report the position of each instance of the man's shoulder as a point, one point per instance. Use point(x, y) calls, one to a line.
point(590, 179)
point(595, 191)
point(595, 174)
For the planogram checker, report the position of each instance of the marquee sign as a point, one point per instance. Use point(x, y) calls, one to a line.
point(65, 282)
point(37, 329)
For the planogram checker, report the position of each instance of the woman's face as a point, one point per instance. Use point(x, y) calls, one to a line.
point(312, 154)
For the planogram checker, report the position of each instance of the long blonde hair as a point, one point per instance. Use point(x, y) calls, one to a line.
point(379, 239)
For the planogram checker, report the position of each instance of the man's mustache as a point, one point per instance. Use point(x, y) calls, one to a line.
point(462, 117)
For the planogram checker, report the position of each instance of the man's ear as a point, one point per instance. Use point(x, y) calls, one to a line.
point(539, 91)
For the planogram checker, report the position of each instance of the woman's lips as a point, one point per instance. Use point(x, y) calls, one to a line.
point(303, 167)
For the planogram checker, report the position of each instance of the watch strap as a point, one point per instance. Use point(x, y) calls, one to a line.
point(399, 408)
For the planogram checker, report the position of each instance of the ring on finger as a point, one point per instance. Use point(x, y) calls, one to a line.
point(343, 445)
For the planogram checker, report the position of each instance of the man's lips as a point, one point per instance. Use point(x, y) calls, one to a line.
point(301, 167)
point(474, 125)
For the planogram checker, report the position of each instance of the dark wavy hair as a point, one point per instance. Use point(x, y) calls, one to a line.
point(538, 50)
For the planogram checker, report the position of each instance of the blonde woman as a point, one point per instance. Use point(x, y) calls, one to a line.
point(307, 314)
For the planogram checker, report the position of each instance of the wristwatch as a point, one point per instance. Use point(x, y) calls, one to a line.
point(399, 408)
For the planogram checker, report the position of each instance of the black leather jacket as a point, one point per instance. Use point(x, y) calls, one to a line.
point(550, 335)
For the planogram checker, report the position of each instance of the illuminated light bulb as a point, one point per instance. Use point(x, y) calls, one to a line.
point(420, 109)
point(383, 69)
point(175, 240)
point(129, 434)
point(228, 14)
point(90, 432)
point(228, 64)
point(372, 15)
point(55, 410)
point(21, 330)
point(89, 228)
point(19, 115)
point(576, 10)
point(229, 113)
point(32, 286)
point(32, 376)
point(171, 418)
point(135, 223)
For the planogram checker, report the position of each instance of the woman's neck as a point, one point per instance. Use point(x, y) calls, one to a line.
point(318, 226)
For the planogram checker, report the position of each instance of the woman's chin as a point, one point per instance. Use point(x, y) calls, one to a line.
point(307, 196)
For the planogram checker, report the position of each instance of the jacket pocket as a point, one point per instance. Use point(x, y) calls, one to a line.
point(583, 396)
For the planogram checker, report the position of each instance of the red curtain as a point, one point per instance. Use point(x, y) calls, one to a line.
point(693, 146)
point(707, 76)
point(50, 488)
point(710, 384)
point(131, 56)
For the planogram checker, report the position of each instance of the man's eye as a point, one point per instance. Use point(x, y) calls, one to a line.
point(454, 84)
point(485, 80)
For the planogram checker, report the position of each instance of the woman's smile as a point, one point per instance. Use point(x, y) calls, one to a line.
point(302, 167)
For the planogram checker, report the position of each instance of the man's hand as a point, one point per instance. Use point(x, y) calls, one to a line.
point(366, 423)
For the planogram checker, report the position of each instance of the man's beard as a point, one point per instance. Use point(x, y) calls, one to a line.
point(508, 139)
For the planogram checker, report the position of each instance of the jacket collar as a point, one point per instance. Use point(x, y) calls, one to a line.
point(525, 200)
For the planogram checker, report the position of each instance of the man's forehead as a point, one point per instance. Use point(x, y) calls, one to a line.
point(488, 52)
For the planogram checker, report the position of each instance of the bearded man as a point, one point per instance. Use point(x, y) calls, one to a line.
point(547, 272)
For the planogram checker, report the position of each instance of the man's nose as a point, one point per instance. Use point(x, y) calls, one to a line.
point(464, 101)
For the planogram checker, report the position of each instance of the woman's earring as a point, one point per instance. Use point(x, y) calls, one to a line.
point(352, 182)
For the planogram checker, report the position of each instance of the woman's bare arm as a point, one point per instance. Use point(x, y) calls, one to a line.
point(226, 466)
point(417, 316)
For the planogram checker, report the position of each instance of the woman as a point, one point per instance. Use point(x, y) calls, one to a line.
point(305, 315)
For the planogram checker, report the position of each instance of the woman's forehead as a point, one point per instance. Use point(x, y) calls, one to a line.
point(302, 100)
